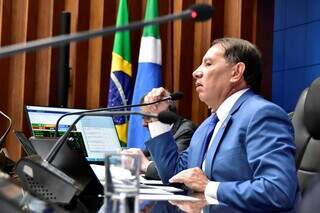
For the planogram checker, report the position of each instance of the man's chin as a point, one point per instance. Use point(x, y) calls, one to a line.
point(202, 99)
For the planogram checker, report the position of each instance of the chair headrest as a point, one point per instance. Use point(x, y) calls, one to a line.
point(312, 109)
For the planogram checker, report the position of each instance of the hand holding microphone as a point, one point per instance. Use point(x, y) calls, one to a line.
point(154, 95)
point(159, 96)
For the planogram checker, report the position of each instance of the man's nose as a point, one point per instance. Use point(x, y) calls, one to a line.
point(197, 73)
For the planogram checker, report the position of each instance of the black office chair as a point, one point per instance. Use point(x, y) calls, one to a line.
point(306, 123)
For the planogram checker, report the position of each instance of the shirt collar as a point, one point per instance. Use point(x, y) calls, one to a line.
point(224, 109)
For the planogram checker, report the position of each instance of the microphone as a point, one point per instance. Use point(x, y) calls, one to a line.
point(168, 117)
point(76, 178)
point(173, 96)
point(201, 12)
point(198, 12)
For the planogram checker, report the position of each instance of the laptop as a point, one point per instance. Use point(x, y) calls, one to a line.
point(94, 135)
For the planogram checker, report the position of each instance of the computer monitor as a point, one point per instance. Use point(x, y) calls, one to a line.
point(94, 135)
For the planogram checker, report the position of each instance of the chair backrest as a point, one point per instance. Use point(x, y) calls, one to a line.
point(306, 123)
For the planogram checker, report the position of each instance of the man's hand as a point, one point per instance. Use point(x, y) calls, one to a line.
point(193, 178)
point(155, 95)
point(144, 160)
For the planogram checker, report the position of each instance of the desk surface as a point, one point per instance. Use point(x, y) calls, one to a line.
point(182, 206)
point(13, 197)
point(151, 206)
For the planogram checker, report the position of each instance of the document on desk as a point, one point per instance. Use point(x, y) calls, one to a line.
point(157, 189)
point(154, 191)
point(100, 172)
point(150, 182)
point(158, 185)
point(146, 186)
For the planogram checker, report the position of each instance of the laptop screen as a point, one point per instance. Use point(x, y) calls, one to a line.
point(95, 135)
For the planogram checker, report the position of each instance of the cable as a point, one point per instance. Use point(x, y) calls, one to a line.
point(7, 131)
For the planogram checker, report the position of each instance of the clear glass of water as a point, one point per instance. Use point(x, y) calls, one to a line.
point(122, 182)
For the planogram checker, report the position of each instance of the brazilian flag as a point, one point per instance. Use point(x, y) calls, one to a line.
point(121, 72)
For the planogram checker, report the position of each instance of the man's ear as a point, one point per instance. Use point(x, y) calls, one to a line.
point(237, 72)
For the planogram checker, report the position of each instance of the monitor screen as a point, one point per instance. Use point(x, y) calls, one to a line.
point(95, 135)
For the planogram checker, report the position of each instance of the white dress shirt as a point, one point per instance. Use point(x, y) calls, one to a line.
point(157, 128)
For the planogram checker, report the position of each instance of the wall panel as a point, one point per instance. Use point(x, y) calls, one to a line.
point(94, 56)
point(17, 70)
point(30, 78)
point(43, 57)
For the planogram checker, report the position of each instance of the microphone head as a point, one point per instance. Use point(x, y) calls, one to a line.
point(176, 96)
point(201, 12)
point(167, 117)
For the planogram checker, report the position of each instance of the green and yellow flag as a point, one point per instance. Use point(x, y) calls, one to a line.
point(120, 87)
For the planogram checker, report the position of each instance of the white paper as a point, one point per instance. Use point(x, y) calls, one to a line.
point(166, 197)
point(100, 172)
point(151, 182)
point(118, 172)
point(165, 188)
point(154, 191)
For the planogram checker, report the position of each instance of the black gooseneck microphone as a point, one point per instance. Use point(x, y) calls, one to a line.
point(198, 12)
point(65, 174)
point(173, 96)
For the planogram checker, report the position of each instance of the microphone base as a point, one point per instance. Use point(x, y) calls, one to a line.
point(46, 181)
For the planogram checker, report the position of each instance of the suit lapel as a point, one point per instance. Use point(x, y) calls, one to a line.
point(198, 151)
point(214, 146)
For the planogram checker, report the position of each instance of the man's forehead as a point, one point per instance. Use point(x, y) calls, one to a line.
point(215, 50)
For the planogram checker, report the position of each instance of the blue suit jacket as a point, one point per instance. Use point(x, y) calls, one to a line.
point(252, 156)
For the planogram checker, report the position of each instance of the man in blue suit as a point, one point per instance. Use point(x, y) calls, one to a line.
point(243, 154)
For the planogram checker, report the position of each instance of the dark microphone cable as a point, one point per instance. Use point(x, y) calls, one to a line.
point(7, 130)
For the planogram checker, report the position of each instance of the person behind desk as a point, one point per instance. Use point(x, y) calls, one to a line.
point(243, 154)
point(182, 130)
